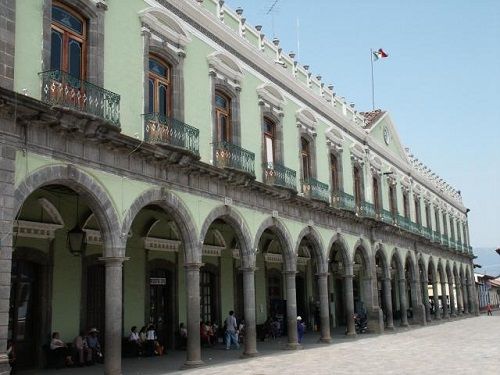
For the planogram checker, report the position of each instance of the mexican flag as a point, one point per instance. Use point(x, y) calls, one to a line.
point(379, 54)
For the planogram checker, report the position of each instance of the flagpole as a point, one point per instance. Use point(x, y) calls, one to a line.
point(373, 80)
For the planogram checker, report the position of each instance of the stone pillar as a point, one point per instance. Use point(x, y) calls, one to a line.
point(465, 298)
point(349, 305)
point(324, 308)
point(458, 288)
point(113, 314)
point(427, 305)
point(7, 214)
point(444, 299)
point(249, 308)
point(291, 310)
point(470, 294)
point(403, 302)
point(388, 303)
point(193, 354)
point(437, 315)
point(417, 306)
point(452, 297)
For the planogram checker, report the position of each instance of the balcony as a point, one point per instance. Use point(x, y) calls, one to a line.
point(162, 130)
point(62, 89)
point(436, 237)
point(387, 216)
point(444, 240)
point(403, 223)
point(368, 210)
point(344, 201)
point(427, 232)
point(315, 189)
point(279, 175)
point(234, 157)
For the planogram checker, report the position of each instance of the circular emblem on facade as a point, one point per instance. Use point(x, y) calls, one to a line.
point(387, 135)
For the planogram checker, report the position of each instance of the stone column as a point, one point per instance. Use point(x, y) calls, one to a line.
point(444, 299)
point(465, 298)
point(437, 315)
point(427, 305)
point(291, 310)
point(193, 354)
point(403, 302)
point(349, 305)
point(458, 288)
point(452, 297)
point(249, 308)
point(470, 294)
point(113, 314)
point(388, 303)
point(324, 308)
point(417, 306)
point(7, 214)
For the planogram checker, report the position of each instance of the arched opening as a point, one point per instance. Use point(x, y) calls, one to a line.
point(338, 267)
point(383, 287)
point(399, 295)
point(361, 281)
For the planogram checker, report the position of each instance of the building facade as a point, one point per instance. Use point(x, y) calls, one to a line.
point(162, 161)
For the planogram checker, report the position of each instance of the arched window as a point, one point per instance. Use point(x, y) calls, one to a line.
point(334, 171)
point(305, 155)
point(223, 117)
point(269, 139)
point(68, 41)
point(428, 215)
point(376, 193)
point(452, 229)
point(445, 225)
point(160, 88)
point(357, 185)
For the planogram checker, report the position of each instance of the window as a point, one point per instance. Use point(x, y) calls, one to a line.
point(406, 205)
point(68, 41)
point(428, 216)
point(207, 296)
point(459, 234)
point(445, 225)
point(357, 185)
point(223, 117)
point(335, 173)
point(392, 200)
point(417, 211)
point(305, 154)
point(269, 139)
point(436, 217)
point(160, 90)
point(376, 193)
point(452, 230)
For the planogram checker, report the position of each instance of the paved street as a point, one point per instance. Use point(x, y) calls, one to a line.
point(465, 346)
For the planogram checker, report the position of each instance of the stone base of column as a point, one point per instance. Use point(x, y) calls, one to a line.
point(250, 354)
point(192, 364)
point(293, 346)
point(325, 340)
point(351, 335)
point(375, 321)
point(404, 325)
point(390, 329)
point(419, 315)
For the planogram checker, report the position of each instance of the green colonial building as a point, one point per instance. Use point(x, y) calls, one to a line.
point(162, 162)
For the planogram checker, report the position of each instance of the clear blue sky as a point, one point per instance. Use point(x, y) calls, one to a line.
point(441, 82)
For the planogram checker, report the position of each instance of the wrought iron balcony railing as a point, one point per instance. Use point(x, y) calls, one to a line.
point(279, 175)
point(62, 89)
point(436, 237)
point(228, 155)
point(344, 201)
point(426, 232)
point(165, 130)
point(315, 189)
point(368, 210)
point(444, 239)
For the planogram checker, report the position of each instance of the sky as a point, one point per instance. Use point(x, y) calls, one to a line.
point(440, 83)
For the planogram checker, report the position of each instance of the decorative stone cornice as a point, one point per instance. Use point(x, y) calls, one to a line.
point(165, 24)
point(212, 250)
point(35, 229)
point(273, 258)
point(220, 64)
point(161, 244)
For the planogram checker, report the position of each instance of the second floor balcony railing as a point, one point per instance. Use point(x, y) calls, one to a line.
point(279, 175)
point(228, 155)
point(344, 201)
point(403, 223)
point(165, 130)
point(315, 189)
point(436, 237)
point(367, 209)
point(62, 89)
point(444, 239)
point(427, 232)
